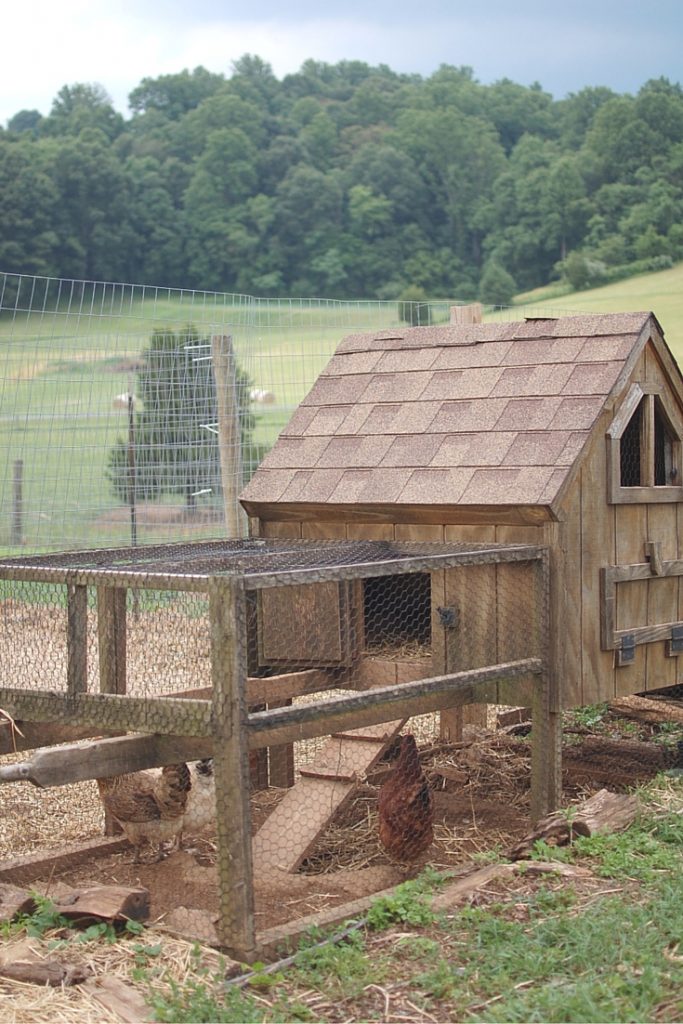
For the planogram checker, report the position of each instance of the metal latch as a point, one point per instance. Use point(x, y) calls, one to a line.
point(448, 617)
point(626, 653)
point(674, 646)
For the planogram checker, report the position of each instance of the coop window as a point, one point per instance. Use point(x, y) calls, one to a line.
point(645, 448)
point(397, 613)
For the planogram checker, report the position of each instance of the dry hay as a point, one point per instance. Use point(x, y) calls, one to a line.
point(26, 1003)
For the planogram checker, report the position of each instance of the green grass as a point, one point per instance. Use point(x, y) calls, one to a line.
point(660, 293)
point(551, 951)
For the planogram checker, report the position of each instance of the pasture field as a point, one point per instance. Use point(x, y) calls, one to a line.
point(66, 356)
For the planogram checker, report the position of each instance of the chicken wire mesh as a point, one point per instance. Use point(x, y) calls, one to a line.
point(303, 662)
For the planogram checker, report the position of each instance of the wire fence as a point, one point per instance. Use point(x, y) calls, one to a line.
point(109, 405)
point(111, 396)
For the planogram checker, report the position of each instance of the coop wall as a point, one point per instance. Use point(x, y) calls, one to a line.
point(588, 535)
point(484, 634)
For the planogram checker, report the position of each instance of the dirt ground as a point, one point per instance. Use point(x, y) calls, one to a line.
point(481, 795)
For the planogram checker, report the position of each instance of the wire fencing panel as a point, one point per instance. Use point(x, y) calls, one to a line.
point(111, 403)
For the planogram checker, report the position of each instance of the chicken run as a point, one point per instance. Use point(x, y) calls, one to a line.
point(272, 731)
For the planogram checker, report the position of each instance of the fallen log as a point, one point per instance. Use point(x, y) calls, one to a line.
point(603, 812)
point(45, 972)
point(644, 709)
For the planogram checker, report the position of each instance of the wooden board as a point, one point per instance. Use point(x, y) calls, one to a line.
point(662, 596)
point(291, 831)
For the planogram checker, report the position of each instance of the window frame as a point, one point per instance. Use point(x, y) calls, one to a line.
point(650, 395)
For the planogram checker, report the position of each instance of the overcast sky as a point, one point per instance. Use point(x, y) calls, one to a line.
point(564, 46)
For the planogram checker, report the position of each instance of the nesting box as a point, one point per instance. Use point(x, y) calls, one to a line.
point(563, 432)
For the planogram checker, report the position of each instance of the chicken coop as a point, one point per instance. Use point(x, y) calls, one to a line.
point(228, 649)
point(563, 432)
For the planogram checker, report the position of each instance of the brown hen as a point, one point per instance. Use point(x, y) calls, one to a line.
point(149, 806)
point(406, 807)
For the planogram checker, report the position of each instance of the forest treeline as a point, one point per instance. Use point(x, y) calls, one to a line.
point(344, 180)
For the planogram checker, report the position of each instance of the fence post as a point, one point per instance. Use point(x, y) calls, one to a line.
point(231, 767)
point(229, 434)
point(16, 535)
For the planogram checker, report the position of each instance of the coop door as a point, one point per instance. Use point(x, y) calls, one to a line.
point(306, 626)
point(640, 605)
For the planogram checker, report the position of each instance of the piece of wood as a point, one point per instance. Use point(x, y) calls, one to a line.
point(582, 568)
point(110, 712)
point(14, 901)
point(644, 709)
point(470, 515)
point(227, 617)
point(112, 639)
point(76, 639)
point(322, 718)
point(26, 869)
point(101, 758)
point(105, 903)
point(604, 812)
point(45, 972)
point(513, 716)
point(305, 625)
point(119, 998)
point(349, 758)
point(459, 891)
point(229, 442)
point(326, 785)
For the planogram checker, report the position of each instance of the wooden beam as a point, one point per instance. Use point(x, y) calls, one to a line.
point(267, 728)
point(475, 515)
point(110, 712)
point(96, 759)
point(23, 870)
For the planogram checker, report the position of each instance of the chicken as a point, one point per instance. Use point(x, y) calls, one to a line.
point(149, 806)
point(406, 807)
point(201, 803)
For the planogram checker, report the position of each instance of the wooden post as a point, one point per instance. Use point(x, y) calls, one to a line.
point(111, 634)
point(471, 314)
point(77, 639)
point(546, 717)
point(227, 613)
point(229, 435)
point(16, 535)
point(132, 482)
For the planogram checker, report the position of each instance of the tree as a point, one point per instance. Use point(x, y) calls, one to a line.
point(497, 287)
point(175, 443)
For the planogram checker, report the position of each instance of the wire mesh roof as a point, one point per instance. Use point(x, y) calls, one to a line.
point(256, 559)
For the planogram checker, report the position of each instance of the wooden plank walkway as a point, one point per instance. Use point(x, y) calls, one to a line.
point(325, 786)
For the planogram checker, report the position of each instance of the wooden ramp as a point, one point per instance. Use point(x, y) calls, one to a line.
point(291, 831)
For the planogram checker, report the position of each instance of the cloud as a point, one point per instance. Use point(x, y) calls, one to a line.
point(47, 46)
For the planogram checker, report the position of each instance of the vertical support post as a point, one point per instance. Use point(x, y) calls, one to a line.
point(111, 636)
point(132, 480)
point(229, 434)
point(227, 613)
point(546, 717)
point(16, 533)
point(76, 639)
point(111, 642)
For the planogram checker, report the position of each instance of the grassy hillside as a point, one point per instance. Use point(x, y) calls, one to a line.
point(662, 293)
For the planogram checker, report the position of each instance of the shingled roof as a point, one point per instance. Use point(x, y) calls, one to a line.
point(477, 414)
